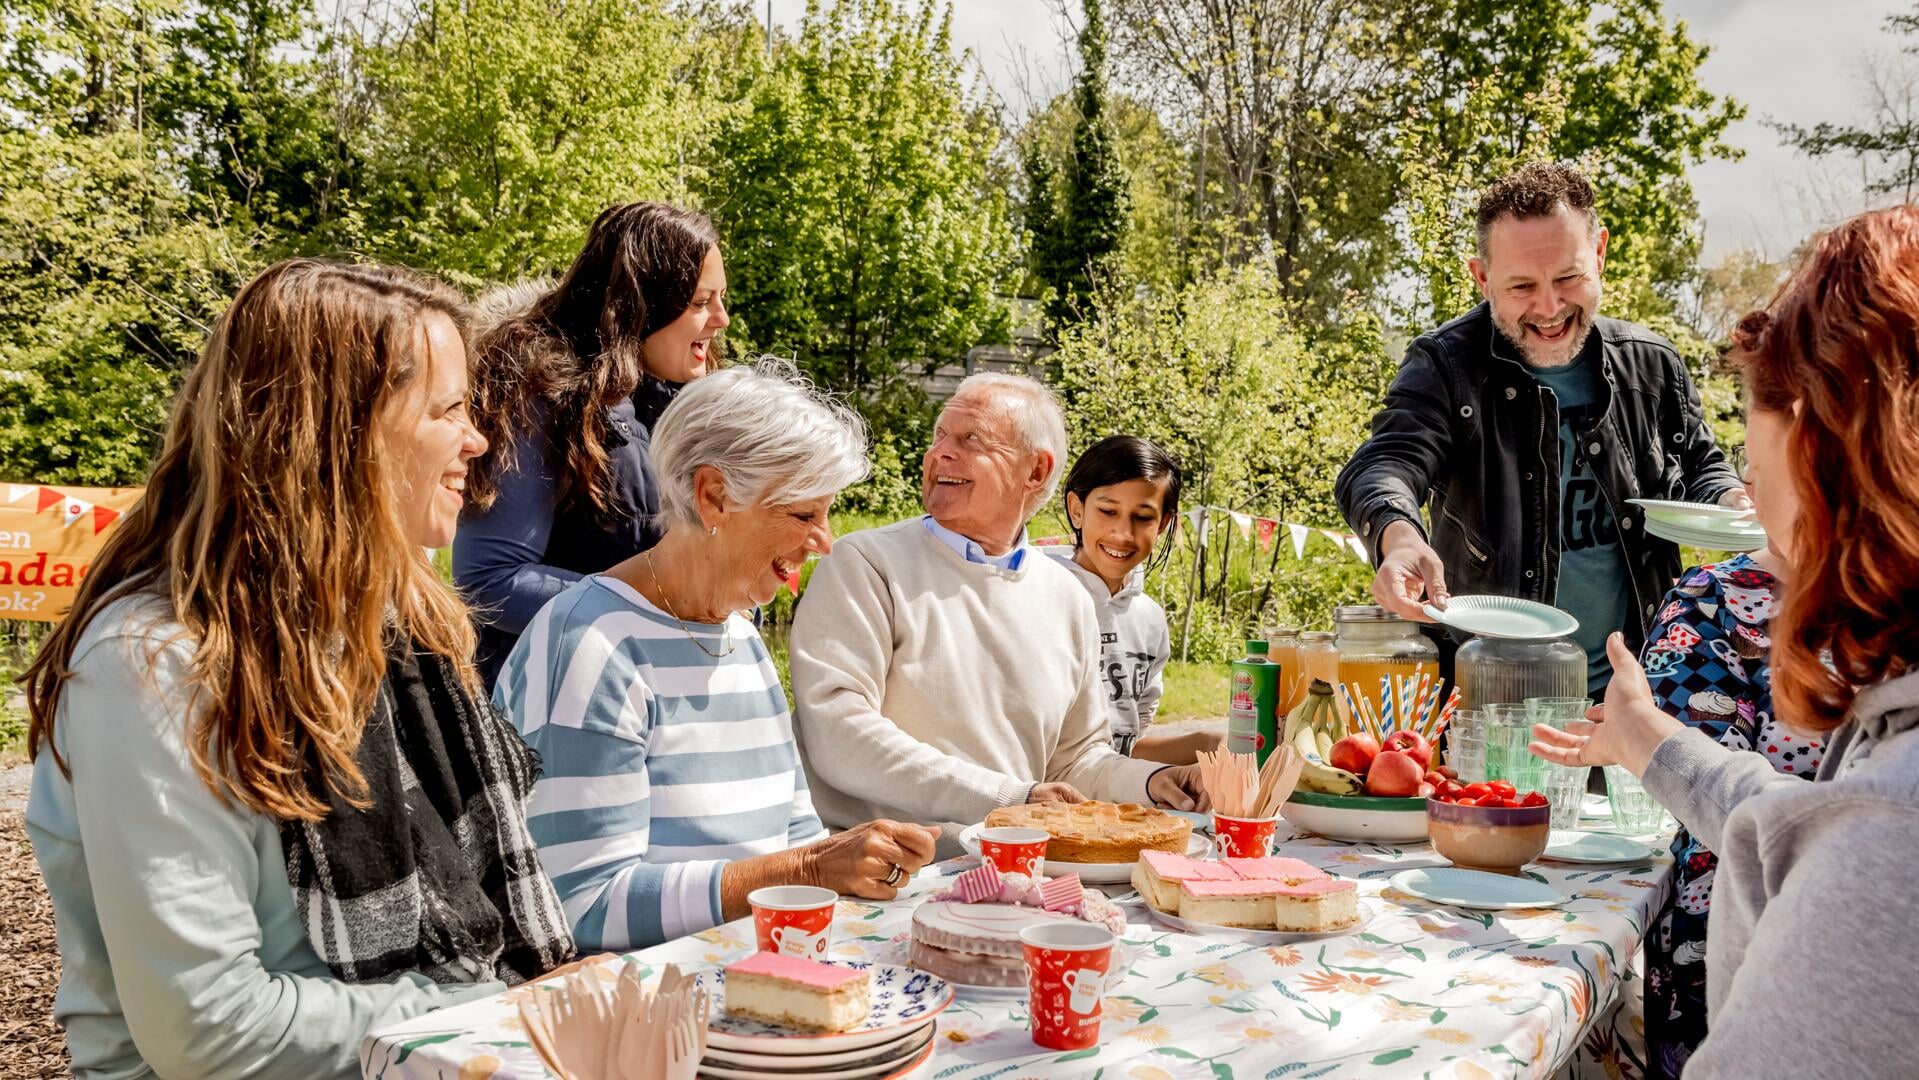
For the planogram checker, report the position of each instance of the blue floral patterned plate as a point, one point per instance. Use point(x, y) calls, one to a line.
point(903, 999)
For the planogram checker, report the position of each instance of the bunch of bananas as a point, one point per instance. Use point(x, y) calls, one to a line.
point(1311, 730)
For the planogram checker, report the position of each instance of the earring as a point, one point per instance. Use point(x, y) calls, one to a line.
point(714, 531)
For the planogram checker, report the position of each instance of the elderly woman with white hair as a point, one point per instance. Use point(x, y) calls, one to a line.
point(671, 785)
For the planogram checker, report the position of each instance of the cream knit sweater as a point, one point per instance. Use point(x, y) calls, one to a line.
point(930, 689)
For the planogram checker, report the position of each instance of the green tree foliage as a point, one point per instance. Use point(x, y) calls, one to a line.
point(1077, 214)
point(502, 127)
point(863, 229)
point(1160, 237)
point(110, 271)
point(1281, 104)
point(1888, 146)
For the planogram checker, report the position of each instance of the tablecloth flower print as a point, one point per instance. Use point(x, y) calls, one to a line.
point(1419, 990)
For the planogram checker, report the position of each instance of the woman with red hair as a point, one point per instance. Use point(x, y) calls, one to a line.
point(1806, 909)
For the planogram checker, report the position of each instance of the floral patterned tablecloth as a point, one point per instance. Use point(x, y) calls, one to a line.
point(1419, 990)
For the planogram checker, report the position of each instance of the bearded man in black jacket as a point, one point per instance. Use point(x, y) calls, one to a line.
point(1524, 427)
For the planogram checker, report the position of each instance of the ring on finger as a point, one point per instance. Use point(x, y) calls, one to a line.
point(898, 875)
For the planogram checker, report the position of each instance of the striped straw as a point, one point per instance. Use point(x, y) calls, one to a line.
point(1387, 720)
point(1452, 706)
point(1348, 715)
point(1419, 699)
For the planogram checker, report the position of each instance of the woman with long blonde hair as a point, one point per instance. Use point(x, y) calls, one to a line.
point(270, 804)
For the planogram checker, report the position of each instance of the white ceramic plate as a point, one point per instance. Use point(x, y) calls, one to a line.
point(879, 1068)
point(1117, 873)
point(1696, 515)
point(903, 1000)
point(1503, 617)
point(1476, 889)
point(1711, 541)
point(1261, 937)
point(1586, 847)
point(1123, 964)
point(863, 1056)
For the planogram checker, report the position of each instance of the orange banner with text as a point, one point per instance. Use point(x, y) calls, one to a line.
point(48, 538)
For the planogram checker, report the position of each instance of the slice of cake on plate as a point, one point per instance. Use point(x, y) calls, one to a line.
point(1272, 868)
point(1323, 903)
point(1158, 874)
point(1245, 904)
point(797, 992)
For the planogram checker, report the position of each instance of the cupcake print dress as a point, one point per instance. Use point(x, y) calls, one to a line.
point(1707, 657)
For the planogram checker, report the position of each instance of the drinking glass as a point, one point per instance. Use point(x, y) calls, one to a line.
point(1564, 787)
point(1634, 811)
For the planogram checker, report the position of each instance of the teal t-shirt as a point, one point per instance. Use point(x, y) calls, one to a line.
point(1593, 586)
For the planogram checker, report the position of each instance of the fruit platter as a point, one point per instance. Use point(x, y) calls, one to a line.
point(1358, 782)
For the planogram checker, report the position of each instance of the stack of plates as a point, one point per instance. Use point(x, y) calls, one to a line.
point(1703, 525)
point(896, 1039)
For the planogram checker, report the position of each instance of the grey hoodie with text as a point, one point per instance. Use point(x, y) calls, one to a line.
point(1134, 645)
point(1812, 953)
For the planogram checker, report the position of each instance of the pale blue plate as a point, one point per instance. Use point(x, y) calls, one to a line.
point(1578, 847)
point(1476, 889)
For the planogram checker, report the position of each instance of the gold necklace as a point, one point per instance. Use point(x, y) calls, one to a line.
point(726, 628)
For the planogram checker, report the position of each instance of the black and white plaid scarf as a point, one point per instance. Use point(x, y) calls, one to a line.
point(439, 874)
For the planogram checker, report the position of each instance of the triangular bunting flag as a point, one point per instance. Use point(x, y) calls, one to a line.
point(103, 516)
point(1300, 533)
point(1339, 540)
point(19, 492)
point(74, 509)
point(1359, 549)
point(48, 497)
point(1267, 527)
point(1052, 541)
point(1243, 522)
point(1177, 532)
point(793, 582)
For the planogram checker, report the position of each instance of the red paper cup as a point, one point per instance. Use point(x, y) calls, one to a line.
point(1066, 964)
point(1014, 851)
point(1243, 838)
point(796, 920)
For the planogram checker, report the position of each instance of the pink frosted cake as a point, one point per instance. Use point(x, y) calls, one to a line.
point(969, 934)
point(1158, 875)
point(798, 992)
point(1247, 904)
point(1324, 903)
point(1256, 894)
point(1272, 868)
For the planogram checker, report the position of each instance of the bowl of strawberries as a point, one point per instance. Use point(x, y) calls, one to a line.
point(1488, 825)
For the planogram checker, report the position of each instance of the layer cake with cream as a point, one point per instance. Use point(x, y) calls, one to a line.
point(1256, 894)
point(796, 992)
point(969, 934)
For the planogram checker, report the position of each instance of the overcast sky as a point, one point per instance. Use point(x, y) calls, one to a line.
point(1790, 60)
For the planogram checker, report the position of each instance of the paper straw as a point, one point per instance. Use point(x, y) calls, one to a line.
point(1387, 720)
point(1419, 700)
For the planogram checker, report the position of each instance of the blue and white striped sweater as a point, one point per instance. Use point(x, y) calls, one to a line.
point(659, 763)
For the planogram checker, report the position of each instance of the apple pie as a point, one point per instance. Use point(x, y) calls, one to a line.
point(1097, 832)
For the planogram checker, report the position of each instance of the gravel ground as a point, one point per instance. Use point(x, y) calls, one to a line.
point(14, 782)
point(29, 1043)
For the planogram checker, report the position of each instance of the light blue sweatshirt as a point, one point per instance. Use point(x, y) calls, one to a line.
point(181, 952)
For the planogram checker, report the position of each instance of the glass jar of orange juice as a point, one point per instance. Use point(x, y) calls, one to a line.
point(1375, 645)
point(1282, 645)
point(1318, 658)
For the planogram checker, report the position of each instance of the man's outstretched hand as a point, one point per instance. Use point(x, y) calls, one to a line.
point(1410, 574)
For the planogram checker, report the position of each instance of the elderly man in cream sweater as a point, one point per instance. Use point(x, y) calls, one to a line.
point(941, 668)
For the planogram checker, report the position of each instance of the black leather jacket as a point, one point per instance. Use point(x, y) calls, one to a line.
point(1469, 431)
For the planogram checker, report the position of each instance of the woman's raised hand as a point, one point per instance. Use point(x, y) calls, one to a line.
point(872, 860)
point(1623, 731)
